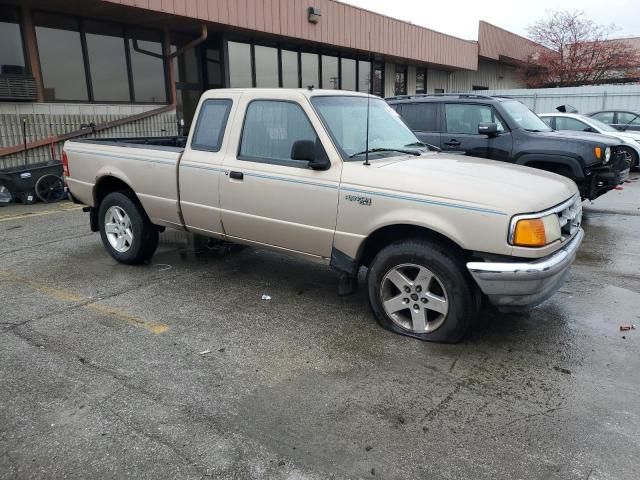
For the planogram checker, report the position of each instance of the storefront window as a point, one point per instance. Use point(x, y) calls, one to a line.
point(330, 78)
point(60, 52)
point(364, 76)
point(289, 69)
point(378, 79)
point(147, 66)
point(421, 80)
point(214, 68)
point(266, 66)
point(348, 74)
point(240, 65)
point(107, 62)
point(11, 50)
point(309, 64)
point(401, 80)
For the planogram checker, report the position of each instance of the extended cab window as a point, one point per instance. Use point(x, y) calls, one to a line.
point(271, 128)
point(421, 117)
point(465, 118)
point(210, 126)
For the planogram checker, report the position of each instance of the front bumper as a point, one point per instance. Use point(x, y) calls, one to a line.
point(522, 285)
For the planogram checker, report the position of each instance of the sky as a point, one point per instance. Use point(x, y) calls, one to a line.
point(461, 17)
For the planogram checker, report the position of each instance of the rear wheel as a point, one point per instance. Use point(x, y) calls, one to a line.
point(417, 289)
point(126, 231)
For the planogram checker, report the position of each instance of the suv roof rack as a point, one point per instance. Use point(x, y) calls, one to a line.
point(423, 95)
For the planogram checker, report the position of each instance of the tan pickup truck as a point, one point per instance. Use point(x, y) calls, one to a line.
point(337, 177)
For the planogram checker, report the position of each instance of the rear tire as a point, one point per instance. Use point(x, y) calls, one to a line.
point(418, 289)
point(125, 229)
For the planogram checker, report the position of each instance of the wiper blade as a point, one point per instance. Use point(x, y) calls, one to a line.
point(431, 147)
point(381, 149)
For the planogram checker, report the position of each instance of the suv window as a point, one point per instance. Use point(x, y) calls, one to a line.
point(604, 117)
point(210, 126)
point(465, 118)
point(421, 117)
point(270, 129)
point(567, 123)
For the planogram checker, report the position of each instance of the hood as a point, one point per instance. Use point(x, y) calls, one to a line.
point(626, 135)
point(476, 182)
point(598, 138)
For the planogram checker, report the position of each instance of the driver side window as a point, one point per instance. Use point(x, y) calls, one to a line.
point(465, 118)
point(271, 128)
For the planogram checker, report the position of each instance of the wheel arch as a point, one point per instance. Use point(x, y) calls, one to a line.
point(553, 163)
point(388, 234)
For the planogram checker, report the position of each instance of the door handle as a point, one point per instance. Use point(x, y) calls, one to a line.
point(452, 143)
point(236, 175)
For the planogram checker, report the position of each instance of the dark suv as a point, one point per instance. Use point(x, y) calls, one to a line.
point(505, 129)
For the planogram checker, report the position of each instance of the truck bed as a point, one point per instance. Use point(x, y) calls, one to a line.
point(148, 165)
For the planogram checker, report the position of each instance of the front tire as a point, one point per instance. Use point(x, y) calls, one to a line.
point(633, 157)
point(418, 289)
point(126, 231)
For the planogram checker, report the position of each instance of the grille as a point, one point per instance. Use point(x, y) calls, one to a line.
point(570, 218)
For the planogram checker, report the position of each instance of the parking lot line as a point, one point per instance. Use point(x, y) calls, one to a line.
point(85, 302)
point(6, 218)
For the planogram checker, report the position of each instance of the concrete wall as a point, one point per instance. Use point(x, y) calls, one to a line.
point(46, 119)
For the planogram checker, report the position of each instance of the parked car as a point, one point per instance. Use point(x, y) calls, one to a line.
point(575, 122)
point(296, 171)
point(619, 119)
point(505, 129)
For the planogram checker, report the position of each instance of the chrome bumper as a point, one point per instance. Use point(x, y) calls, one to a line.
point(521, 285)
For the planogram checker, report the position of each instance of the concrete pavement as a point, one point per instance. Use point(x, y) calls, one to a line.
point(101, 372)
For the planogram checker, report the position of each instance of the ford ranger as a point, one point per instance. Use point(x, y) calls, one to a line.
point(338, 178)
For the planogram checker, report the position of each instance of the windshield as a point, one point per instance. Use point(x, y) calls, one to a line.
point(602, 126)
point(524, 117)
point(346, 119)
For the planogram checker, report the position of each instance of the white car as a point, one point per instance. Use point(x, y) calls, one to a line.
point(581, 123)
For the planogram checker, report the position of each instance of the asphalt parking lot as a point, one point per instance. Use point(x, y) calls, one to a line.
point(102, 376)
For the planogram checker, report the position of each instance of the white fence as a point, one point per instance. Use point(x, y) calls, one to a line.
point(585, 99)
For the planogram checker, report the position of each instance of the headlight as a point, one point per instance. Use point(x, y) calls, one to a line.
point(535, 232)
point(607, 154)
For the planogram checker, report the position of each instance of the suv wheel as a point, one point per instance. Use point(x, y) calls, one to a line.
point(126, 231)
point(416, 289)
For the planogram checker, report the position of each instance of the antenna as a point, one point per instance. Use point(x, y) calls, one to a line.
point(366, 146)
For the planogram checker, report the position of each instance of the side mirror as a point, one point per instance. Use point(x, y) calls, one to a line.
point(312, 152)
point(490, 129)
point(590, 130)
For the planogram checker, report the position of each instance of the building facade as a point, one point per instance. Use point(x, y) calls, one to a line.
point(71, 68)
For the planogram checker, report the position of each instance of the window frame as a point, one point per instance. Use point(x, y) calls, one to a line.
point(436, 106)
point(273, 161)
point(126, 28)
point(570, 119)
point(299, 50)
point(27, 64)
point(423, 71)
point(223, 129)
point(494, 113)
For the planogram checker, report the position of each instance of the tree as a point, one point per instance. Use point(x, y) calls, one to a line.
point(577, 51)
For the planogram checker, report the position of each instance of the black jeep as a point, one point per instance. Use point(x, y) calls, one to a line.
point(504, 129)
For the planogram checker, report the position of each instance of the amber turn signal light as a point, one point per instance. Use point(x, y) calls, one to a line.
point(530, 233)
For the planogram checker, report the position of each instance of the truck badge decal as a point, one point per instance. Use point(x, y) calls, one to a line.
point(366, 201)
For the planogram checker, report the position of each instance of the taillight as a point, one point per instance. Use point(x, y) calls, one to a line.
point(65, 164)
